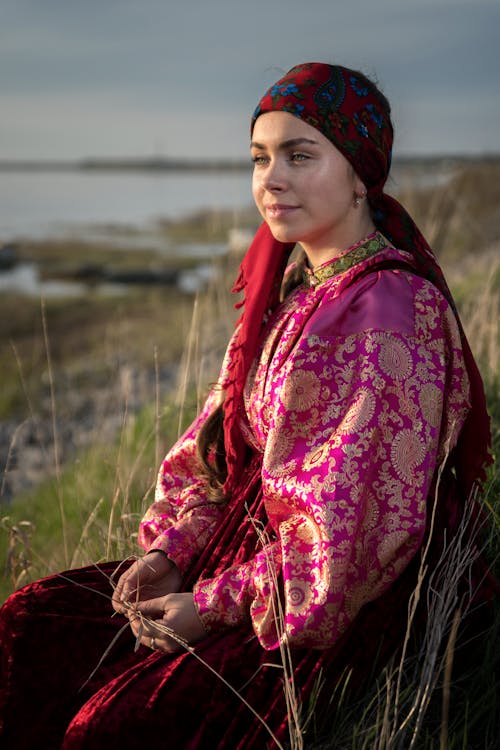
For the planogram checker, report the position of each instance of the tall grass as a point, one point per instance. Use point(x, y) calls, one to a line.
point(90, 508)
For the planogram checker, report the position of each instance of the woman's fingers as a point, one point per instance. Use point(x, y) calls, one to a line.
point(153, 637)
point(120, 594)
point(181, 615)
point(151, 619)
point(127, 587)
point(142, 577)
point(152, 608)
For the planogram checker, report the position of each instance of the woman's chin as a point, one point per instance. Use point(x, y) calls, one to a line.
point(283, 234)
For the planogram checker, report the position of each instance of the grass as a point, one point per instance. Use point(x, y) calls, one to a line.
point(104, 493)
point(211, 226)
point(95, 499)
point(421, 701)
point(89, 338)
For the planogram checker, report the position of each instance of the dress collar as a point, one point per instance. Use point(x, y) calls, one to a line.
point(365, 248)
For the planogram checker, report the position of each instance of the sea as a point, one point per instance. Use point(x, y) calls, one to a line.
point(42, 203)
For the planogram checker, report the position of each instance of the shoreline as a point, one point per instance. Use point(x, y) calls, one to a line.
point(215, 164)
point(110, 259)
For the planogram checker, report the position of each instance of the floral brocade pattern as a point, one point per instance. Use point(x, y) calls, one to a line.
point(369, 247)
point(345, 406)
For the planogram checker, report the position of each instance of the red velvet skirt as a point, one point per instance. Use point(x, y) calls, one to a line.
point(54, 632)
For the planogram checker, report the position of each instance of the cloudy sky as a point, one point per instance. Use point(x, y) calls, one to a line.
point(180, 77)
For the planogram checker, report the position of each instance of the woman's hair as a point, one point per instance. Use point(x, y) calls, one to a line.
point(212, 454)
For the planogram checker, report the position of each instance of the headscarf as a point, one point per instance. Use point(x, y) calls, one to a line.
point(353, 114)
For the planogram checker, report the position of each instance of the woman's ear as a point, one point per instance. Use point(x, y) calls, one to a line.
point(358, 185)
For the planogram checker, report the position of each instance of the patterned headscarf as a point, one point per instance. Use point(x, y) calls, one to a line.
point(346, 107)
point(353, 114)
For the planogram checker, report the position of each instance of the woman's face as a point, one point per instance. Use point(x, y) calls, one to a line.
point(305, 188)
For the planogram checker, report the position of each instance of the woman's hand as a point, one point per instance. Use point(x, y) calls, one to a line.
point(150, 577)
point(174, 611)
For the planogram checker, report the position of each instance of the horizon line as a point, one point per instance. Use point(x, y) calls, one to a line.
point(161, 163)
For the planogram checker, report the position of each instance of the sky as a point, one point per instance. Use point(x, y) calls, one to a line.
point(111, 78)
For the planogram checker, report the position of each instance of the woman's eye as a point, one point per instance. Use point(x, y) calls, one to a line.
point(259, 160)
point(298, 157)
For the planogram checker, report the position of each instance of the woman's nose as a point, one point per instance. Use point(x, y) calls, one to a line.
point(273, 177)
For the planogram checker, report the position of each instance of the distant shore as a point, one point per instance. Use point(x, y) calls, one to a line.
point(161, 164)
point(141, 164)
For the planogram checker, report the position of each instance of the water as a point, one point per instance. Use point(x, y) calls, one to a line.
point(124, 209)
point(41, 204)
point(50, 204)
point(25, 278)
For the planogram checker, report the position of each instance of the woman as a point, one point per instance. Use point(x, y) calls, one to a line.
point(291, 513)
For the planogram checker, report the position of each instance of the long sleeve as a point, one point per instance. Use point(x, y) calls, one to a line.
point(354, 428)
point(181, 519)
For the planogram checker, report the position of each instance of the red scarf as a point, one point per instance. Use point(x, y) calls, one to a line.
point(350, 111)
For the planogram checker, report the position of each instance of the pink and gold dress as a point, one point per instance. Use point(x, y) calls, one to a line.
point(357, 396)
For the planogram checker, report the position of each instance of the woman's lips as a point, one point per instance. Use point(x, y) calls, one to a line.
point(279, 210)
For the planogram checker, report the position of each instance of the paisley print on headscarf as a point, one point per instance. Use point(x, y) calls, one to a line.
point(346, 108)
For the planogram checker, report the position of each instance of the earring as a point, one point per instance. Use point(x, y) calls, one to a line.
point(358, 199)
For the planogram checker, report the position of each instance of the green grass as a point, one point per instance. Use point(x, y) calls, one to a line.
point(91, 510)
point(87, 338)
